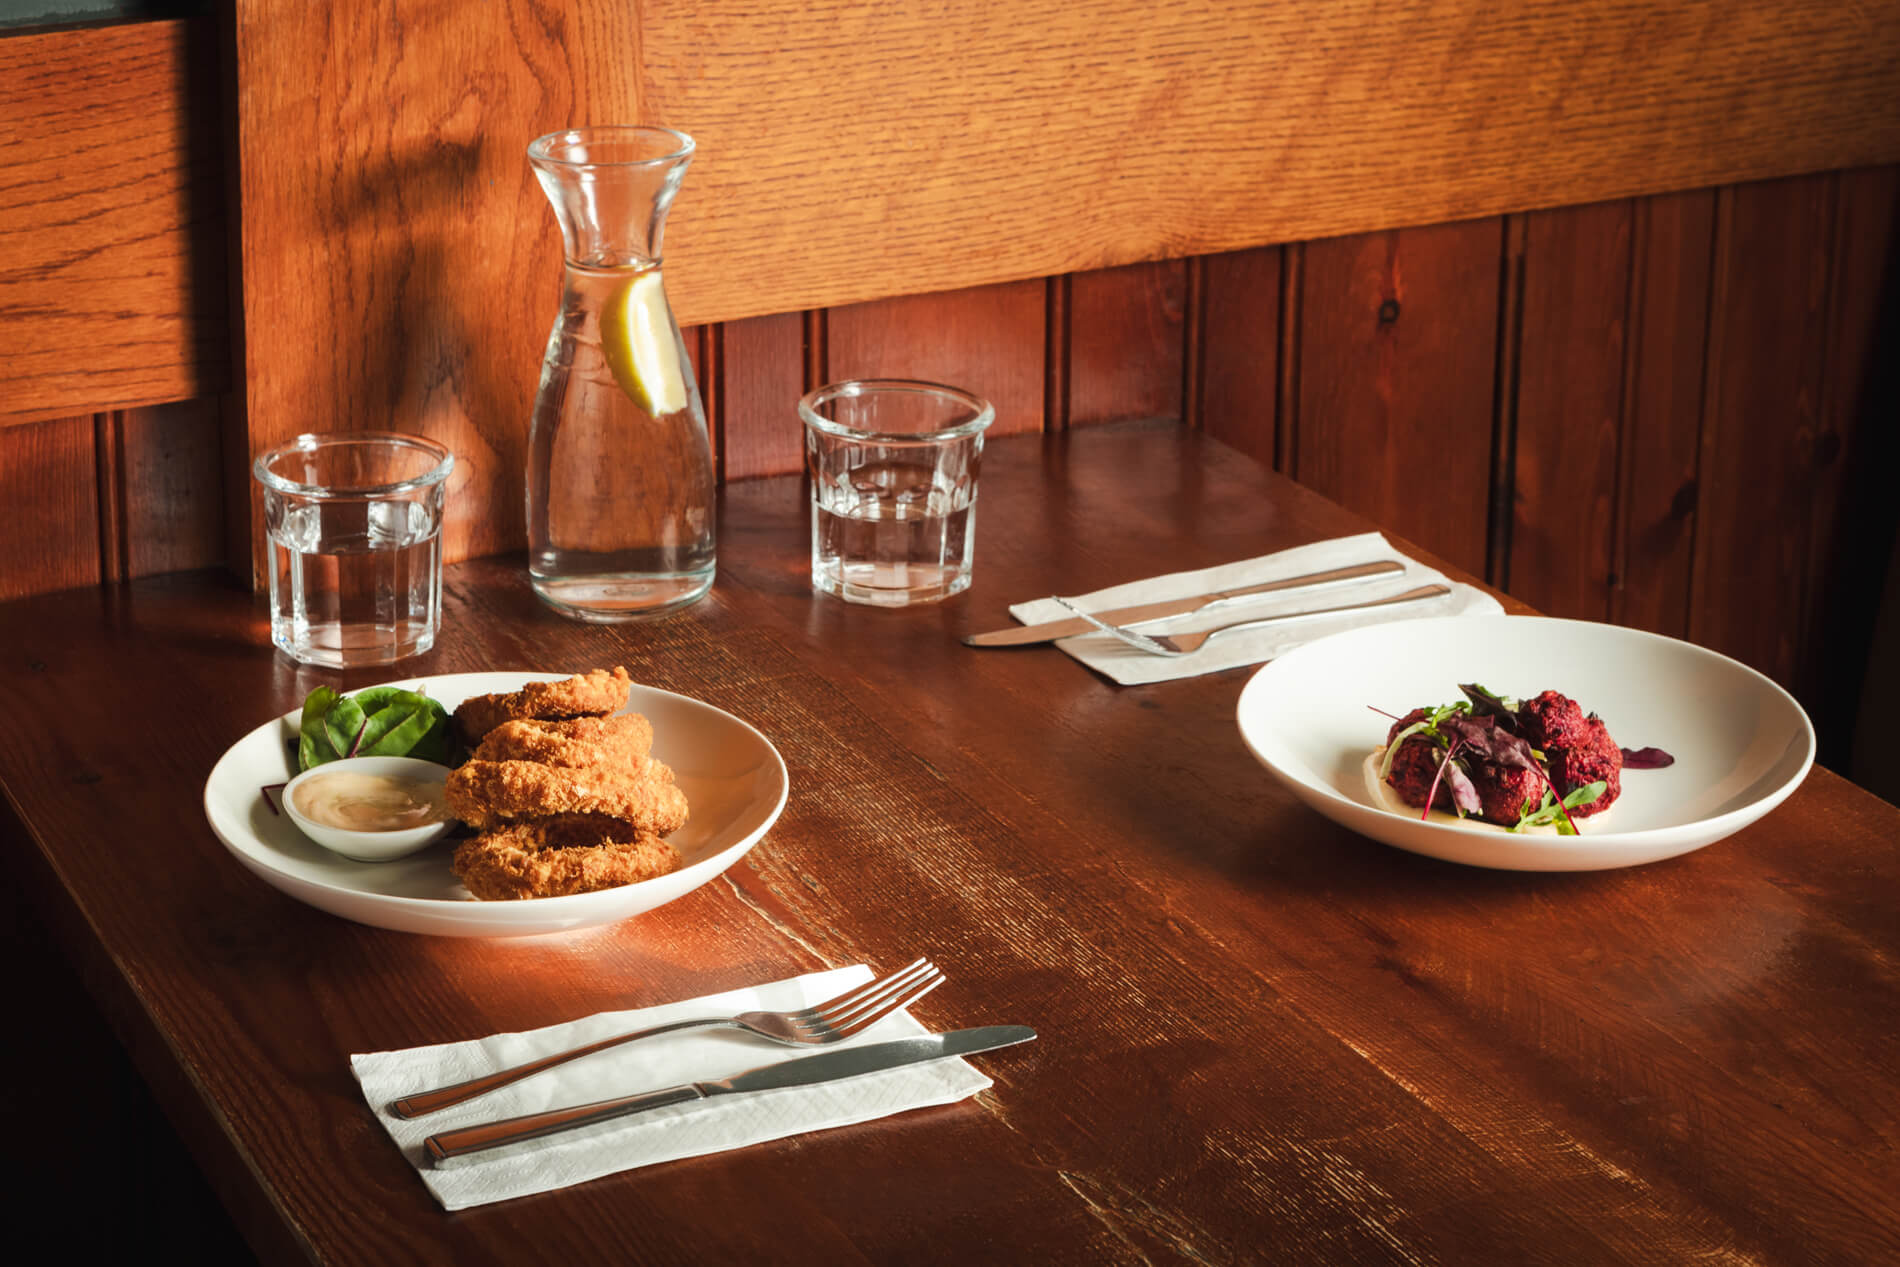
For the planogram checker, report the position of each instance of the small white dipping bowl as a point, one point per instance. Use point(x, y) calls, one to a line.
point(371, 846)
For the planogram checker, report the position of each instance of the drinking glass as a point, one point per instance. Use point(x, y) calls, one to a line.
point(893, 466)
point(354, 521)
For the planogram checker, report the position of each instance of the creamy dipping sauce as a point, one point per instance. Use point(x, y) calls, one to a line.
point(1386, 797)
point(370, 802)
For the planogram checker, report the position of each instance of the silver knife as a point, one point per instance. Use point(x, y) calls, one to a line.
point(451, 1147)
point(1050, 630)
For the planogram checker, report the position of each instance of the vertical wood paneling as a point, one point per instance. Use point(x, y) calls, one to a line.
point(1125, 342)
point(1398, 354)
point(1856, 452)
point(1238, 365)
point(1569, 401)
point(988, 340)
point(48, 483)
point(1662, 425)
point(174, 481)
point(762, 376)
point(1757, 481)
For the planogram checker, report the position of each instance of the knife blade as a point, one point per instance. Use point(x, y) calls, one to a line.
point(447, 1148)
point(1050, 630)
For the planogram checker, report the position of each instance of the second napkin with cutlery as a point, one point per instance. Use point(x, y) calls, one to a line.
point(1122, 663)
point(665, 1134)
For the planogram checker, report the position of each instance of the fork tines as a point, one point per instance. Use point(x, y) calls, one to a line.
point(850, 1013)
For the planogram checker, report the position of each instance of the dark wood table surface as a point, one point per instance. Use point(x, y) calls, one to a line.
point(1263, 1038)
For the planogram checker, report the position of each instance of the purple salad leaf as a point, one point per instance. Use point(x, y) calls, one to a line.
point(1646, 759)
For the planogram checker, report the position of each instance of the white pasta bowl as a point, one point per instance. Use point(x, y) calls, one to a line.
point(1741, 744)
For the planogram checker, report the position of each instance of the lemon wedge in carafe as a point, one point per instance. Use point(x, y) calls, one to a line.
point(636, 337)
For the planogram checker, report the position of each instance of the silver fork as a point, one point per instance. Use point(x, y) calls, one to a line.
point(1181, 644)
point(832, 1021)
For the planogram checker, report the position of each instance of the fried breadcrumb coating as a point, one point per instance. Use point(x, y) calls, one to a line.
point(624, 741)
point(592, 694)
point(484, 794)
point(552, 857)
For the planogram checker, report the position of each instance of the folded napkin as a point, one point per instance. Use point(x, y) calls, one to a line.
point(666, 1134)
point(1129, 666)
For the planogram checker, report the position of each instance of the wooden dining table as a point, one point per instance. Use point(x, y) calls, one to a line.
point(1262, 1037)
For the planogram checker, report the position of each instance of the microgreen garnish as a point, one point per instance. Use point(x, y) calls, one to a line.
point(1428, 728)
point(1485, 703)
point(1551, 810)
point(1464, 793)
point(1646, 759)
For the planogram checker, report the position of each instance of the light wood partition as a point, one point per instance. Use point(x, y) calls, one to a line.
point(399, 268)
point(112, 247)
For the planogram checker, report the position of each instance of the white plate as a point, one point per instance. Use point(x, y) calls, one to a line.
point(1741, 743)
point(734, 780)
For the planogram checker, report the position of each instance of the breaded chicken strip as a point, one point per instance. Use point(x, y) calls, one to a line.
point(622, 741)
point(550, 857)
point(484, 794)
point(591, 695)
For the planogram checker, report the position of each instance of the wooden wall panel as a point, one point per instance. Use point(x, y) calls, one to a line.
point(988, 340)
point(1854, 527)
point(47, 484)
point(1662, 423)
point(174, 487)
point(112, 248)
point(1126, 341)
point(401, 267)
point(1761, 413)
point(1237, 362)
point(398, 263)
point(1397, 368)
point(1572, 319)
point(762, 366)
point(954, 145)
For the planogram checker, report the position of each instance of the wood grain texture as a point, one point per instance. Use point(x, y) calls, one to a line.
point(401, 267)
point(49, 482)
point(1126, 343)
point(1568, 410)
point(174, 480)
point(1855, 519)
point(1761, 416)
point(1238, 361)
point(112, 252)
point(762, 377)
point(1086, 135)
point(988, 340)
point(1397, 369)
point(1342, 1052)
point(1662, 423)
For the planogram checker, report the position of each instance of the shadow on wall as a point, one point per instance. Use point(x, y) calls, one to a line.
point(1863, 596)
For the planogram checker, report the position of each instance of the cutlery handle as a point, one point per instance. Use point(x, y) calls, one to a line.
point(1409, 596)
point(1333, 576)
point(446, 1148)
point(442, 1097)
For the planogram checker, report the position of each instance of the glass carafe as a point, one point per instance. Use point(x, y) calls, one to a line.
point(620, 471)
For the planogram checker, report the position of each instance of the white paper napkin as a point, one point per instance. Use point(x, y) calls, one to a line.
point(657, 1135)
point(1122, 663)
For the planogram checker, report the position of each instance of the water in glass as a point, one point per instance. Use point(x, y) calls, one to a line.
point(892, 534)
point(355, 582)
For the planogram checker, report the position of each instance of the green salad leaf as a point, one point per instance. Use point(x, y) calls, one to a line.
point(383, 721)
